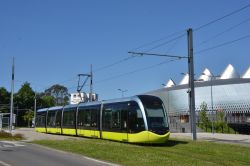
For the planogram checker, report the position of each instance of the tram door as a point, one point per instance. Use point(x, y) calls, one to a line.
point(58, 121)
point(120, 120)
point(88, 121)
point(135, 119)
point(124, 123)
point(94, 121)
point(114, 121)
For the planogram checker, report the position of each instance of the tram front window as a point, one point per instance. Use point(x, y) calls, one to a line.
point(156, 117)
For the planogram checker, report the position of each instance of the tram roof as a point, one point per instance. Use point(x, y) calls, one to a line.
point(42, 110)
point(109, 101)
point(70, 106)
point(120, 100)
point(90, 103)
point(55, 108)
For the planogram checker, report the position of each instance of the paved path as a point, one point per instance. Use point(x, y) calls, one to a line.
point(223, 138)
point(23, 154)
point(31, 135)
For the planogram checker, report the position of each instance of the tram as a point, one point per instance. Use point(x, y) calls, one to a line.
point(138, 119)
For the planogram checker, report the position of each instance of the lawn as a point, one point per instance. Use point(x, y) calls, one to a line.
point(175, 152)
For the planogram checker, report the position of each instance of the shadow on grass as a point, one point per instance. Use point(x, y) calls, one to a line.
point(169, 143)
point(175, 142)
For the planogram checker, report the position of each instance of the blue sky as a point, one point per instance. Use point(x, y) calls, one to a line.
point(54, 40)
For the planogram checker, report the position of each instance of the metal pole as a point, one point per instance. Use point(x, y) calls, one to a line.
point(191, 83)
point(17, 115)
point(91, 83)
point(12, 94)
point(212, 103)
point(1, 122)
point(35, 111)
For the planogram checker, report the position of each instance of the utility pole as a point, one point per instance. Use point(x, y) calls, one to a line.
point(12, 94)
point(35, 110)
point(17, 115)
point(191, 95)
point(191, 83)
point(91, 83)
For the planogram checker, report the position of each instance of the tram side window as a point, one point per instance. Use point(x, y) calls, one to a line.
point(80, 117)
point(69, 119)
point(107, 119)
point(38, 117)
point(88, 117)
point(58, 118)
point(51, 119)
point(94, 117)
point(135, 122)
point(40, 120)
point(115, 117)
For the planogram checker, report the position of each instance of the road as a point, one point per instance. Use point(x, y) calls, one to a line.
point(25, 154)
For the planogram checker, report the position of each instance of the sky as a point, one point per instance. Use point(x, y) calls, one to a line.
point(53, 41)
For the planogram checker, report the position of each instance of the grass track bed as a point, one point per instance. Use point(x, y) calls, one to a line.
point(175, 152)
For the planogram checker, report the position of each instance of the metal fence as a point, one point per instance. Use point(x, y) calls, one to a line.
point(4, 122)
point(237, 116)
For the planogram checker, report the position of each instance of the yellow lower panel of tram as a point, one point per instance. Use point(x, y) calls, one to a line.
point(40, 129)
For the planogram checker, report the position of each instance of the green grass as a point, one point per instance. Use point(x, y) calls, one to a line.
point(218, 129)
point(8, 136)
point(175, 152)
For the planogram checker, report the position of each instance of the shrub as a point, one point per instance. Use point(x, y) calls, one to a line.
point(9, 136)
point(4, 134)
point(18, 136)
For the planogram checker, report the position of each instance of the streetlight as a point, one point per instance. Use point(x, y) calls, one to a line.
point(35, 97)
point(212, 77)
point(122, 91)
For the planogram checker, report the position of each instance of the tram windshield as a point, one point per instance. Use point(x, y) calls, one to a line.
point(156, 117)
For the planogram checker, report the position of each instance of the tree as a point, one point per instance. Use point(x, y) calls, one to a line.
point(4, 96)
point(24, 99)
point(47, 101)
point(28, 116)
point(203, 116)
point(59, 92)
point(4, 100)
point(220, 121)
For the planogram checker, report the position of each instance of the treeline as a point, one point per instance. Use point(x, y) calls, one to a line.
point(215, 124)
point(24, 101)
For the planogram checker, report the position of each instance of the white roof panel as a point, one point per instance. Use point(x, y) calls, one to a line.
point(246, 74)
point(185, 80)
point(206, 75)
point(229, 73)
point(170, 83)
